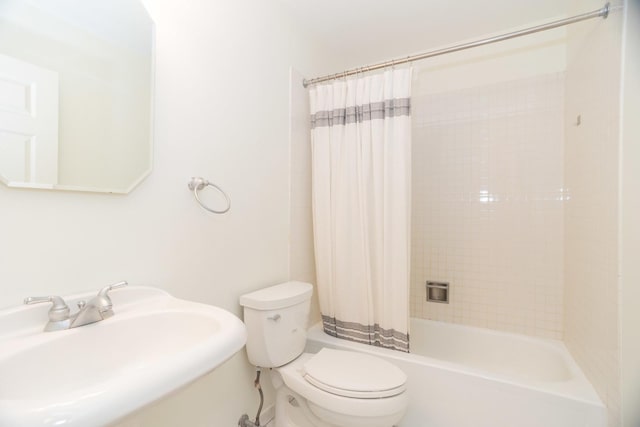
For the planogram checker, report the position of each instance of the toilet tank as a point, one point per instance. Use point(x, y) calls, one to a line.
point(276, 318)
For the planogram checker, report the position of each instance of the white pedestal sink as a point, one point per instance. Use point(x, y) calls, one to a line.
point(96, 374)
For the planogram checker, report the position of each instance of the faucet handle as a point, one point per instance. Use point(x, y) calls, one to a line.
point(102, 299)
point(59, 311)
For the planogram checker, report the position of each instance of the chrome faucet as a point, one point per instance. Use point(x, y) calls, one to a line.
point(96, 309)
point(58, 314)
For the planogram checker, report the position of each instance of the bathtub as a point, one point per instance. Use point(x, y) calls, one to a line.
point(462, 376)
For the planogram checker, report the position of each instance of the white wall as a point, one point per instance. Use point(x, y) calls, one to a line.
point(301, 250)
point(592, 212)
point(222, 111)
point(630, 223)
point(515, 59)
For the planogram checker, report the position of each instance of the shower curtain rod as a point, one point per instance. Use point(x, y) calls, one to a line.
point(603, 12)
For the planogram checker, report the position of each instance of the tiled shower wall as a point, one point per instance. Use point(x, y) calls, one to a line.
point(488, 205)
point(592, 175)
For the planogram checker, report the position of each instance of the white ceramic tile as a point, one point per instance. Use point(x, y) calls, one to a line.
point(591, 213)
point(488, 205)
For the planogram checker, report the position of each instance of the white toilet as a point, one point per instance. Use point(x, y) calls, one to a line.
point(329, 389)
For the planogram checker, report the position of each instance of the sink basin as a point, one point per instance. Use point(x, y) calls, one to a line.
point(96, 374)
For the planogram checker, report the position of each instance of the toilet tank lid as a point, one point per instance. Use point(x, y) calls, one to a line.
point(278, 296)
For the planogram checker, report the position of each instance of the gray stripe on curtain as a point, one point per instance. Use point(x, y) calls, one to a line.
point(361, 113)
point(366, 334)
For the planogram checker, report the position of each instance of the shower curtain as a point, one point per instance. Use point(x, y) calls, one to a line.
point(361, 174)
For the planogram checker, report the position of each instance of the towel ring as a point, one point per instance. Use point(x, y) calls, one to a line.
point(197, 183)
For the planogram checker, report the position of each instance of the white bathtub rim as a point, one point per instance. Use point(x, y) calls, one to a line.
point(557, 346)
point(578, 388)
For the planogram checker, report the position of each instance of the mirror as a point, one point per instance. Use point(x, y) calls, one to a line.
point(76, 92)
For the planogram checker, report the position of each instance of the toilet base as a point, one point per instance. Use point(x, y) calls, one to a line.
point(293, 410)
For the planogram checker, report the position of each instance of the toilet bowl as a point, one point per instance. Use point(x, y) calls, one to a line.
point(332, 388)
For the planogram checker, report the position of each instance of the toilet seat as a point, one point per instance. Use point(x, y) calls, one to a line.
point(355, 375)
